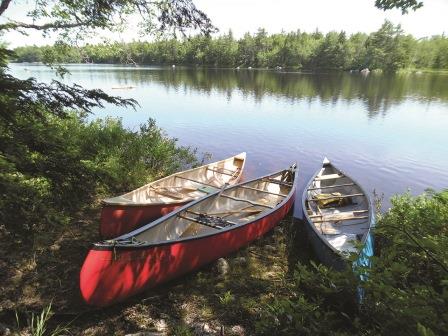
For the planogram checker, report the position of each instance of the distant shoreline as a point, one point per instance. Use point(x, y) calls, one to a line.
point(389, 50)
point(207, 67)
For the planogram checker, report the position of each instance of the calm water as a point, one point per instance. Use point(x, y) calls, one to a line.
point(388, 132)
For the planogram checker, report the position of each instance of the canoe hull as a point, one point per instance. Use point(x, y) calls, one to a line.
point(119, 219)
point(109, 276)
point(326, 255)
point(334, 260)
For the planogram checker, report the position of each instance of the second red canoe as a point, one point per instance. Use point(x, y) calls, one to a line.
point(127, 212)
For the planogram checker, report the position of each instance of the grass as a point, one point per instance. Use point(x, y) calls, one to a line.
point(227, 298)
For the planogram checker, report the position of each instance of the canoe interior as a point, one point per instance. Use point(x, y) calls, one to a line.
point(185, 186)
point(233, 206)
point(346, 220)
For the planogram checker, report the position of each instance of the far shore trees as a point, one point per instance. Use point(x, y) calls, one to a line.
point(388, 49)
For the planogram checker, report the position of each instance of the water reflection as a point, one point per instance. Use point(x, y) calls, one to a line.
point(388, 132)
point(378, 92)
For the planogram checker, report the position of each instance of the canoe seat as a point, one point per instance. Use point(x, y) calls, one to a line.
point(332, 186)
point(272, 180)
point(225, 171)
point(329, 177)
point(169, 193)
point(337, 219)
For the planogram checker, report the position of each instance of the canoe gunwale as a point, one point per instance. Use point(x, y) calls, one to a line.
point(311, 223)
point(279, 206)
point(107, 203)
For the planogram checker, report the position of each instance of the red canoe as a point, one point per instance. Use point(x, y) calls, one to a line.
point(186, 239)
point(127, 212)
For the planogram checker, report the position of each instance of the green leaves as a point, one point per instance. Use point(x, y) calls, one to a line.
point(74, 20)
point(405, 293)
point(404, 5)
point(51, 168)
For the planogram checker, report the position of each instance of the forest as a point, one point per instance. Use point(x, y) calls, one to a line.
point(388, 49)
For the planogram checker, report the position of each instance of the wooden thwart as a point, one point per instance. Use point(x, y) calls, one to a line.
point(333, 186)
point(264, 191)
point(223, 172)
point(277, 182)
point(245, 200)
point(170, 194)
point(339, 219)
point(355, 212)
point(188, 179)
point(228, 169)
point(328, 177)
point(172, 187)
point(227, 213)
point(245, 208)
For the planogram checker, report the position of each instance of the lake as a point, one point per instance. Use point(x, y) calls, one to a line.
point(389, 132)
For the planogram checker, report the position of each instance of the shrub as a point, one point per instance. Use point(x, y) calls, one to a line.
point(52, 167)
point(406, 291)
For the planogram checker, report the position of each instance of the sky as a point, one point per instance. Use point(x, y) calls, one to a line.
point(276, 15)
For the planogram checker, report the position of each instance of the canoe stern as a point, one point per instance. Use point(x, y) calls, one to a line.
point(116, 219)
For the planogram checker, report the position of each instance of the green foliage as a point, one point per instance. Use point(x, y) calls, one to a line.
point(406, 292)
point(52, 167)
point(38, 324)
point(332, 53)
point(404, 5)
point(182, 330)
point(227, 298)
point(74, 19)
point(387, 49)
point(53, 163)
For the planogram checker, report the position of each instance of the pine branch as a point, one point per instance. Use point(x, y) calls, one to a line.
point(52, 25)
point(29, 96)
point(4, 6)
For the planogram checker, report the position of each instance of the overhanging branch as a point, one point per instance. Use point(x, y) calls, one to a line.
point(46, 26)
point(4, 5)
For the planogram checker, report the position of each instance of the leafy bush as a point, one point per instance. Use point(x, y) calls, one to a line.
point(406, 291)
point(52, 167)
